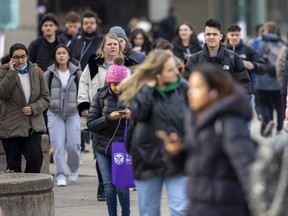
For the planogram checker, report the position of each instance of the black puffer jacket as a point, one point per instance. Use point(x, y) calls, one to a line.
point(82, 48)
point(181, 52)
point(153, 112)
point(249, 54)
point(230, 61)
point(98, 121)
point(219, 152)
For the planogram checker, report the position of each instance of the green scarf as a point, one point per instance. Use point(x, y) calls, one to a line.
point(169, 87)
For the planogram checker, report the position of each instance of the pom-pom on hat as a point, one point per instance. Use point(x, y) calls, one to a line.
point(116, 72)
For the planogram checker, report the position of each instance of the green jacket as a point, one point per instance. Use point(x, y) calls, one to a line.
point(13, 122)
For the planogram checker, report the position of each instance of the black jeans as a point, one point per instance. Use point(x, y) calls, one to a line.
point(31, 149)
point(268, 101)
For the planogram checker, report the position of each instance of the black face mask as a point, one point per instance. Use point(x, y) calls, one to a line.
point(90, 35)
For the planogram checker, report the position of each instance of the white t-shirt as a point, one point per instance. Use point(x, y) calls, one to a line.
point(25, 82)
point(64, 77)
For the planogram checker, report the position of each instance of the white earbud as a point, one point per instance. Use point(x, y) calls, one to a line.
point(213, 93)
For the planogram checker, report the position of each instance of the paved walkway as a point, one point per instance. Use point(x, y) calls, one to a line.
point(80, 199)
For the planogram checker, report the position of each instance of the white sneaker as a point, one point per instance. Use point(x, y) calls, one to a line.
point(61, 183)
point(73, 177)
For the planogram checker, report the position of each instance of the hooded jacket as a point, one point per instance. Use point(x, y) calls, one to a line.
point(218, 154)
point(13, 122)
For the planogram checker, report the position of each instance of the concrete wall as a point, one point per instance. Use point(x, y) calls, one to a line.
point(195, 12)
point(27, 30)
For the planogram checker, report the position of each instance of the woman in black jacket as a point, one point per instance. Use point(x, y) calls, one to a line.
point(186, 42)
point(217, 149)
point(107, 125)
point(157, 97)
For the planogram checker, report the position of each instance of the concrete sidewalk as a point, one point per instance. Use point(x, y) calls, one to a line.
point(80, 199)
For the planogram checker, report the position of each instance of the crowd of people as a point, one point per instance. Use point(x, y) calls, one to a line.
point(188, 107)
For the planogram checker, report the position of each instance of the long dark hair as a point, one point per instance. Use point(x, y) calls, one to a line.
point(193, 39)
point(53, 61)
point(146, 47)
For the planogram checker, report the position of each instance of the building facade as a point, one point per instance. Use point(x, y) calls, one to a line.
point(119, 12)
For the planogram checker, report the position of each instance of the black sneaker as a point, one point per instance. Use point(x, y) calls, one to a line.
point(101, 193)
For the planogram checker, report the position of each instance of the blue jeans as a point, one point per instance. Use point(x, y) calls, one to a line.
point(111, 191)
point(149, 195)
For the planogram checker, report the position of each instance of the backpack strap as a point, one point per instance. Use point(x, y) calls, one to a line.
point(51, 75)
point(232, 58)
point(38, 70)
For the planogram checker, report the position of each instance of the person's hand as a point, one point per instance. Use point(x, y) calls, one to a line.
point(248, 65)
point(171, 142)
point(115, 115)
point(84, 113)
point(27, 110)
point(12, 64)
point(126, 115)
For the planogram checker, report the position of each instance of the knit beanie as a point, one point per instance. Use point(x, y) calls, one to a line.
point(116, 72)
point(119, 32)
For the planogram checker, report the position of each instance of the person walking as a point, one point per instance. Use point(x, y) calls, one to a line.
point(156, 95)
point(267, 87)
point(87, 43)
point(93, 78)
point(217, 150)
point(140, 41)
point(186, 42)
point(62, 77)
point(24, 96)
point(214, 52)
point(126, 46)
point(42, 48)
point(72, 24)
point(253, 62)
point(107, 125)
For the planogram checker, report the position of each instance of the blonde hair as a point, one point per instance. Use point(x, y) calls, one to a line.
point(100, 50)
point(147, 71)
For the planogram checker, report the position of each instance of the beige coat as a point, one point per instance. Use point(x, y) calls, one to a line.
point(13, 122)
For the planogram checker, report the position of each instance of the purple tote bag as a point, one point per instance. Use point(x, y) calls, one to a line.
point(122, 172)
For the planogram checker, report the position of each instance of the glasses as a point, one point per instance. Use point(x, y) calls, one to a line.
point(17, 57)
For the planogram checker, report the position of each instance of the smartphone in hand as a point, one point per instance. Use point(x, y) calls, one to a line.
point(122, 112)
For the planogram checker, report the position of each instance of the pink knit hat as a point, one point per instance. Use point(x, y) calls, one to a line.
point(116, 72)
